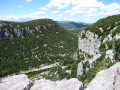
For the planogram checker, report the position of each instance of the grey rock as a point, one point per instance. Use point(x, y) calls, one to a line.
point(117, 36)
point(108, 79)
point(117, 80)
point(49, 25)
point(75, 56)
point(91, 60)
point(72, 84)
point(42, 27)
point(110, 54)
point(80, 68)
point(17, 82)
point(90, 44)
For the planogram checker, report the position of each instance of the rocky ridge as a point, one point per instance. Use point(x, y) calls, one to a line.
point(11, 29)
point(89, 42)
point(101, 42)
point(21, 82)
point(106, 79)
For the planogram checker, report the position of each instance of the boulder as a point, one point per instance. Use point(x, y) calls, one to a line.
point(72, 84)
point(17, 82)
point(108, 79)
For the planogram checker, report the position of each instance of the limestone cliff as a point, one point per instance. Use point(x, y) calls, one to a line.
point(102, 42)
point(21, 82)
point(89, 42)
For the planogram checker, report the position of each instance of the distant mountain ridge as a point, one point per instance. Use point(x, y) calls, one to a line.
point(72, 25)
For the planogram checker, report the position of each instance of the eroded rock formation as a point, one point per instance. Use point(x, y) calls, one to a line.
point(17, 82)
point(88, 42)
point(21, 82)
point(72, 84)
point(108, 79)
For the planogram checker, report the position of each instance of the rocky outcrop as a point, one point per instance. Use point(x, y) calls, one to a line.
point(117, 80)
point(17, 82)
point(117, 36)
point(7, 30)
point(75, 56)
point(108, 79)
point(2, 25)
point(110, 54)
point(81, 64)
point(88, 42)
point(108, 38)
point(48, 26)
point(72, 84)
point(21, 82)
point(80, 68)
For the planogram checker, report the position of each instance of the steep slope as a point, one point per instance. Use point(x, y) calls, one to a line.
point(73, 25)
point(108, 79)
point(102, 42)
point(27, 45)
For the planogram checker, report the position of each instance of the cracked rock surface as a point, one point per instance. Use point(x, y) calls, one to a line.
point(72, 84)
point(17, 82)
point(108, 79)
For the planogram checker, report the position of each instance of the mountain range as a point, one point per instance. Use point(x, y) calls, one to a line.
point(70, 25)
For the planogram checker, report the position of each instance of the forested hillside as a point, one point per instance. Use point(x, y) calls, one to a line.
point(29, 44)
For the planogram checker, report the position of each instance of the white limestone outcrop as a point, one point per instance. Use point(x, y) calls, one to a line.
point(21, 82)
point(117, 80)
point(110, 54)
point(80, 68)
point(91, 60)
point(17, 82)
point(106, 79)
point(117, 36)
point(108, 38)
point(72, 84)
point(90, 44)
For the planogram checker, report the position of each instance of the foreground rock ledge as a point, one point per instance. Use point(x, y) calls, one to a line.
point(108, 79)
point(17, 82)
point(21, 82)
point(72, 84)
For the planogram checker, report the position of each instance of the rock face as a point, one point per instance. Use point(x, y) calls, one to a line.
point(21, 82)
point(91, 60)
point(80, 68)
point(6, 30)
point(106, 79)
point(17, 82)
point(88, 42)
point(72, 84)
point(117, 80)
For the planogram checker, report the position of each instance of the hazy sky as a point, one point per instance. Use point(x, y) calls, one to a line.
point(75, 10)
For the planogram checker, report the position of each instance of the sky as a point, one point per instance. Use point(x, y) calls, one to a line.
point(88, 11)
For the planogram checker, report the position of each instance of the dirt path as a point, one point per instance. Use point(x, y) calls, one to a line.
point(40, 68)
